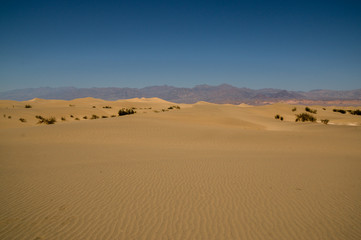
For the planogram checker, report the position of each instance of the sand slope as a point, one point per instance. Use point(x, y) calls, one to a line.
point(205, 171)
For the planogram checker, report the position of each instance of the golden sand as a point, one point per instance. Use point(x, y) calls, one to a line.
point(204, 171)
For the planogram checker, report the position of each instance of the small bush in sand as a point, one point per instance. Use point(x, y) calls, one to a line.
point(9, 117)
point(109, 107)
point(125, 111)
point(85, 117)
point(323, 108)
point(305, 117)
point(325, 121)
point(104, 116)
point(22, 119)
point(71, 116)
point(156, 111)
point(113, 116)
point(294, 109)
point(50, 120)
point(94, 106)
point(94, 117)
point(77, 119)
point(71, 105)
point(28, 106)
point(279, 117)
point(340, 111)
point(355, 112)
point(307, 109)
point(63, 119)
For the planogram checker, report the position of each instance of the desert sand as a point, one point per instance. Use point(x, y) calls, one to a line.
point(204, 171)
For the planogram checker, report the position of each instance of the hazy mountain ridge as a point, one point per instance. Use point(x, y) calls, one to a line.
point(216, 94)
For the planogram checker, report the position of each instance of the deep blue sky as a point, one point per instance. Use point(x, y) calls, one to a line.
point(295, 45)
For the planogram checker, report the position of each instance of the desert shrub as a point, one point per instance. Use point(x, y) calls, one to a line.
point(355, 112)
point(324, 108)
point(113, 116)
point(71, 116)
point(125, 111)
point(94, 117)
point(28, 106)
point(156, 111)
point(9, 117)
point(294, 109)
point(22, 119)
point(94, 106)
point(134, 108)
point(63, 119)
point(174, 107)
point(85, 117)
point(339, 110)
point(50, 120)
point(325, 121)
point(307, 109)
point(277, 116)
point(104, 116)
point(281, 118)
point(77, 119)
point(107, 107)
point(71, 105)
point(304, 117)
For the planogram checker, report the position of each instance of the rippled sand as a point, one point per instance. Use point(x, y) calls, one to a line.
point(205, 171)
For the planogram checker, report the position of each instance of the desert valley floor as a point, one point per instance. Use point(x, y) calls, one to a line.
point(204, 171)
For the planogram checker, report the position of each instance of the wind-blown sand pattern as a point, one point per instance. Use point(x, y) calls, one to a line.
point(204, 171)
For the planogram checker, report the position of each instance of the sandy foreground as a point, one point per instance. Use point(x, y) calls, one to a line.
point(204, 171)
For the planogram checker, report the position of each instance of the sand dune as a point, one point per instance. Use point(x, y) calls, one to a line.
point(204, 171)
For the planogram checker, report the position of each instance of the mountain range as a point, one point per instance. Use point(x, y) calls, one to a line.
point(215, 94)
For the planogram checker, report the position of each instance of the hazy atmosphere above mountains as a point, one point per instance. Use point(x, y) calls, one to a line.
point(292, 45)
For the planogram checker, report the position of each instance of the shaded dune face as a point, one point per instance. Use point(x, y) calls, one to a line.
point(204, 171)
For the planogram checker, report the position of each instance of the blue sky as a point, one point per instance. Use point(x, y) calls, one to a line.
point(294, 45)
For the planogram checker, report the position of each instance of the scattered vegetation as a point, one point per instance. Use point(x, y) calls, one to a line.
point(9, 117)
point(125, 111)
point(71, 116)
point(85, 117)
point(174, 107)
point(104, 116)
point(50, 120)
point(156, 111)
point(63, 119)
point(28, 106)
point(94, 106)
point(324, 108)
point(113, 116)
point(71, 105)
point(294, 109)
point(22, 120)
point(304, 117)
point(307, 109)
point(325, 121)
point(279, 117)
point(339, 110)
point(355, 112)
point(109, 107)
point(94, 117)
point(77, 119)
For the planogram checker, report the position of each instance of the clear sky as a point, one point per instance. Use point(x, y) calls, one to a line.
point(294, 45)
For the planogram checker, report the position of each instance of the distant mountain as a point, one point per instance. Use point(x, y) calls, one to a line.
point(215, 94)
